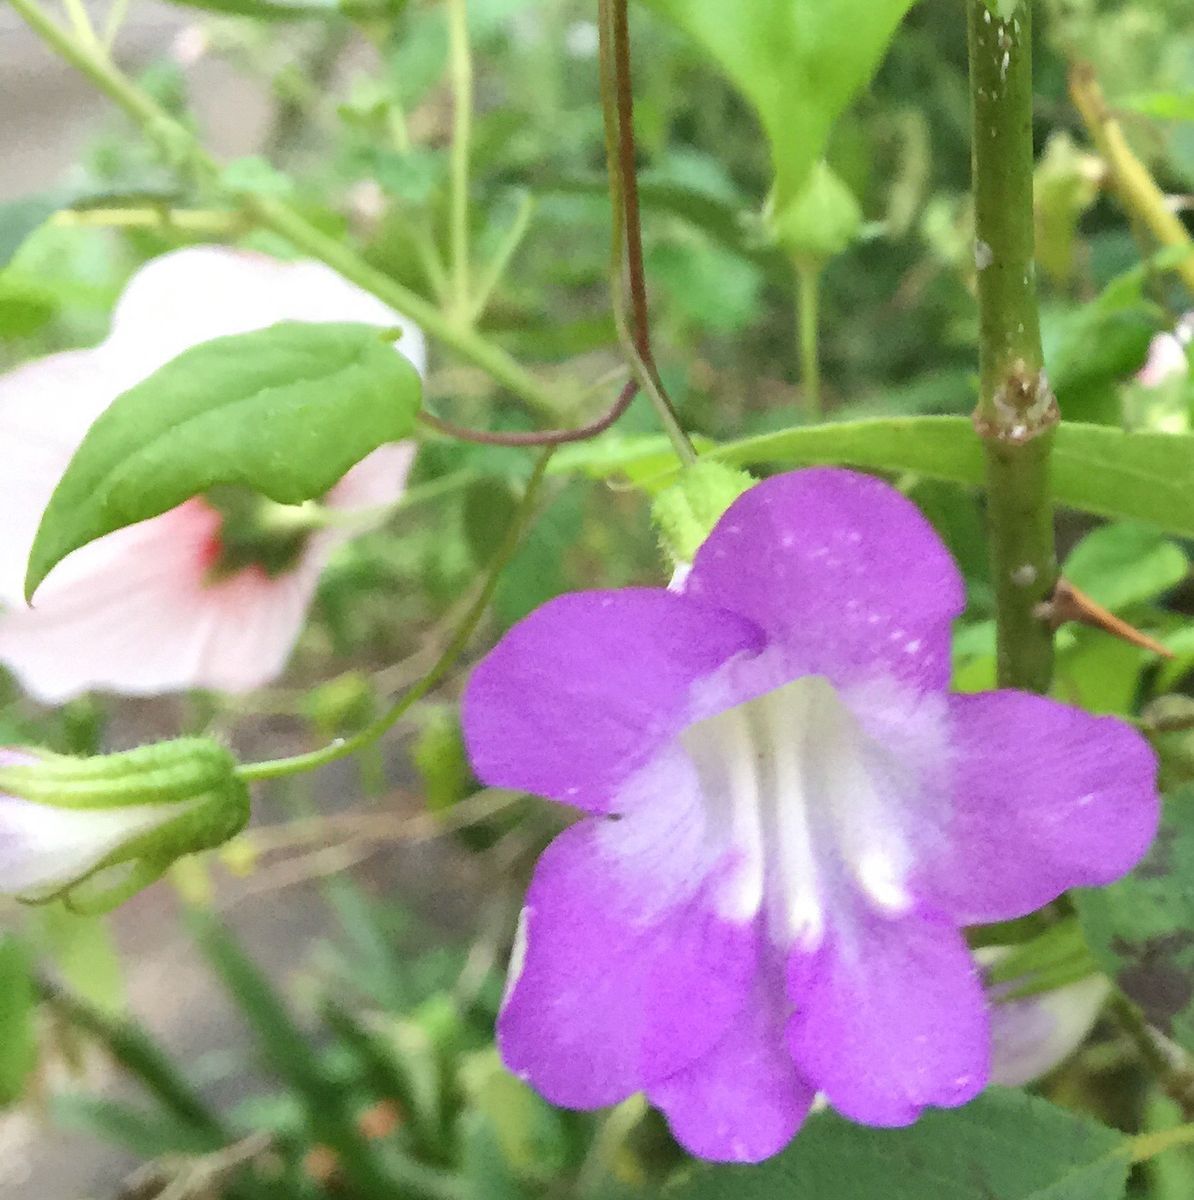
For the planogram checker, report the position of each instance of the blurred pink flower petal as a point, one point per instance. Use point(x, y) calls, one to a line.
point(1167, 354)
point(139, 611)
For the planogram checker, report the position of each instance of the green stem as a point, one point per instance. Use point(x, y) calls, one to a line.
point(1138, 191)
point(502, 257)
point(179, 146)
point(808, 293)
point(461, 62)
point(1016, 411)
point(343, 748)
point(1149, 1145)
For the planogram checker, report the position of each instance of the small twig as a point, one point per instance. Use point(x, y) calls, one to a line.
point(548, 437)
point(1174, 1075)
point(1069, 603)
point(381, 827)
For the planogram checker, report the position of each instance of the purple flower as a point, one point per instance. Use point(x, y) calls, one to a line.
point(790, 818)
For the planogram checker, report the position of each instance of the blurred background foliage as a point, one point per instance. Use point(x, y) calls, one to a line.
point(370, 1069)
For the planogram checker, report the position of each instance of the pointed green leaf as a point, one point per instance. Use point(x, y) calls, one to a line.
point(1097, 469)
point(1003, 1146)
point(285, 411)
point(799, 63)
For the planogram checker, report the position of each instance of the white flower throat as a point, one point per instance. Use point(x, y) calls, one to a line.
point(808, 805)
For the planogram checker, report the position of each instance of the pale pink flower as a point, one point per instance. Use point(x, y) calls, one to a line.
point(141, 611)
point(1167, 354)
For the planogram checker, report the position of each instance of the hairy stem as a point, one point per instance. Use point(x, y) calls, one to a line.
point(1016, 411)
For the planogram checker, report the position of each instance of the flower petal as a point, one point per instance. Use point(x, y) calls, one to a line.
point(202, 292)
point(1045, 797)
point(134, 613)
point(890, 1017)
point(1032, 1035)
point(625, 974)
point(839, 570)
point(45, 409)
point(582, 692)
point(743, 1100)
point(43, 849)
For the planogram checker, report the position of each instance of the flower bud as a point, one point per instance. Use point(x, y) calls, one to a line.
point(686, 512)
point(95, 830)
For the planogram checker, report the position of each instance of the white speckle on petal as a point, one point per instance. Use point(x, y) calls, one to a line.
point(984, 256)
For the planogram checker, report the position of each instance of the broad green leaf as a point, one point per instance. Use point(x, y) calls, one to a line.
point(798, 62)
point(18, 1044)
point(1141, 929)
point(1097, 469)
point(1003, 1146)
point(284, 411)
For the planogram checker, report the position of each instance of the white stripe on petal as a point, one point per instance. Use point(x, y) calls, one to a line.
point(802, 802)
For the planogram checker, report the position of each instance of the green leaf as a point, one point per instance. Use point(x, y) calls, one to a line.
point(86, 956)
point(1003, 1146)
point(1141, 929)
point(1124, 564)
point(1097, 469)
point(19, 218)
point(799, 62)
point(285, 411)
point(18, 1039)
point(1166, 106)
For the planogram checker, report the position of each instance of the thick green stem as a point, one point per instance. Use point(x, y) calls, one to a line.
point(181, 149)
point(1016, 411)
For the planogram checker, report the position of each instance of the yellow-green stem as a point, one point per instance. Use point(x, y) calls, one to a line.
point(808, 292)
point(1137, 190)
point(343, 748)
point(179, 146)
point(1016, 410)
point(462, 134)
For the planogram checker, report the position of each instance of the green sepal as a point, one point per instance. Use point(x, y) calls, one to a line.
point(686, 512)
point(195, 777)
point(820, 221)
point(163, 773)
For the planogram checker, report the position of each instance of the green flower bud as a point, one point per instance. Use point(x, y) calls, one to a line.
point(94, 831)
point(686, 512)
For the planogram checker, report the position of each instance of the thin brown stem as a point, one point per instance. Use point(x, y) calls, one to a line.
point(626, 259)
point(546, 437)
point(631, 208)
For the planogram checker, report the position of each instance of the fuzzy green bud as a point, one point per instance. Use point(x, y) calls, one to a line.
point(686, 512)
point(93, 831)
